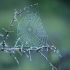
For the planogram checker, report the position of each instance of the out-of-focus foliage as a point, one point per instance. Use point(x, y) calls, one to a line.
point(55, 15)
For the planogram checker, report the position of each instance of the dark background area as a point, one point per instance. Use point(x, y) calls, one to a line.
point(55, 16)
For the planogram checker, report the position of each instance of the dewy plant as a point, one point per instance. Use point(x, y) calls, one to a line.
point(30, 33)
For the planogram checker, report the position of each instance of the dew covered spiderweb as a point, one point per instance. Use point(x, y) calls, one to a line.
point(31, 31)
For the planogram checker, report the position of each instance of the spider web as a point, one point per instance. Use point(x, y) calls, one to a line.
point(31, 31)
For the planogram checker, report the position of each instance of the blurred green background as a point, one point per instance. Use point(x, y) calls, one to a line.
point(55, 15)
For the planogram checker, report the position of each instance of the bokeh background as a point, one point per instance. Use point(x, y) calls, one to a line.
point(55, 15)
